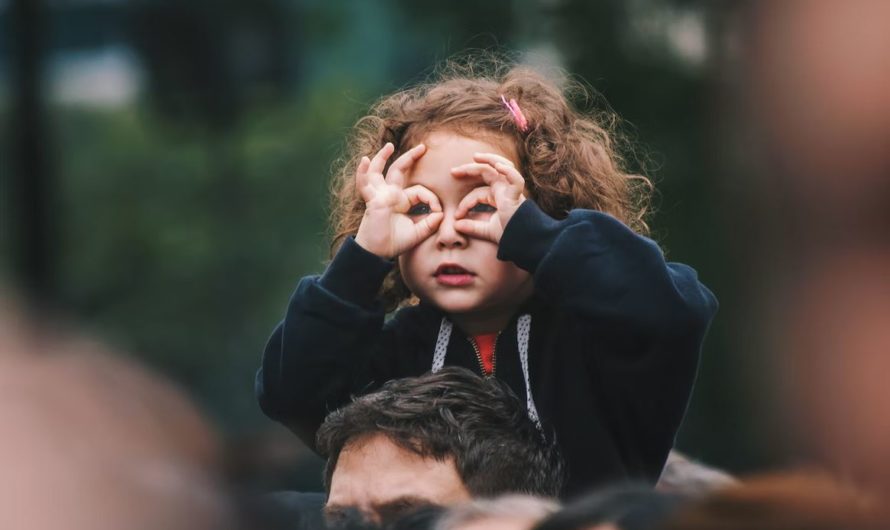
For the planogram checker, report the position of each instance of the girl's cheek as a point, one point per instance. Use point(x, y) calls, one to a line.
point(406, 264)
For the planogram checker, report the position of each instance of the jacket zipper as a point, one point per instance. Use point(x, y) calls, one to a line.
point(494, 356)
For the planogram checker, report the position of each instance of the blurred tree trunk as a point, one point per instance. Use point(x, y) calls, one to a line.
point(230, 227)
point(31, 184)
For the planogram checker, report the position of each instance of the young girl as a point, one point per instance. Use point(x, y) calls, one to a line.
point(501, 221)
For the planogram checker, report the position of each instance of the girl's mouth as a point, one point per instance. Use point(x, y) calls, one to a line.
point(453, 275)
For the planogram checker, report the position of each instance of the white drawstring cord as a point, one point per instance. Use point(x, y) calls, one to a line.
point(523, 330)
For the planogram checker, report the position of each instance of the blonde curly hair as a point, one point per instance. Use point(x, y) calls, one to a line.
point(570, 158)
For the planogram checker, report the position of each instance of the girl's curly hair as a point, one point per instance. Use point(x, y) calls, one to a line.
point(569, 157)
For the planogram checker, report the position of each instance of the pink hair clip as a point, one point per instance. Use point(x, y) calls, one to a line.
point(518, 116)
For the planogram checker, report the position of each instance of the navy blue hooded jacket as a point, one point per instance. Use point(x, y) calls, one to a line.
point(613, 343)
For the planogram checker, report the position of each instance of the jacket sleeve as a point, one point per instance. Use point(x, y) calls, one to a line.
point(643, 319)
point(323, 351)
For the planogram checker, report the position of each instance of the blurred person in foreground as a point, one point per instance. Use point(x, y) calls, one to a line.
point(90, 441)
point(687, 476)
point(789, 501)
point(436, 439)
point(510, 512)
point(423, 518)
point(818, 86)
point(618, 507)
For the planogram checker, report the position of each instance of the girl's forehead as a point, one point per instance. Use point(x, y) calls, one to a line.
point(443, 143)
point(446, 150)
point(441, 182)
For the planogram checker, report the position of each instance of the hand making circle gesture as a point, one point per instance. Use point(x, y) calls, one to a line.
point(388, 228)
point(502, 196)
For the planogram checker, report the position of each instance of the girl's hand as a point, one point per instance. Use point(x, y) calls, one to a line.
point(486, 210)
point(396, 219)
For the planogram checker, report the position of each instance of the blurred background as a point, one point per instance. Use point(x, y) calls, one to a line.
point(165, 164)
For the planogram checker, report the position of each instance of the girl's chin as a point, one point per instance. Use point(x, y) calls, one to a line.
point(457, 309)
point(455, 303)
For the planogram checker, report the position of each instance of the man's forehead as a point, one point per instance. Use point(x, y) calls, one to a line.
point(377, 461)
point(374, 471)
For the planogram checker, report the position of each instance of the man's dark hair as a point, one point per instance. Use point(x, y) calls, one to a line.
point(453, 413)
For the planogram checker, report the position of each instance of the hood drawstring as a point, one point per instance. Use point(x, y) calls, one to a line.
point(523, 329)
point(442, 344)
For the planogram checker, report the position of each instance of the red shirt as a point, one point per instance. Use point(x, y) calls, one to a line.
point(485, 343)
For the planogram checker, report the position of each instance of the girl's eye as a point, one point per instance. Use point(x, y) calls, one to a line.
point(419, 209)
point(481, 207)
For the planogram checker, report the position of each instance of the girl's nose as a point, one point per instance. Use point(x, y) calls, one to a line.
point(447, 236)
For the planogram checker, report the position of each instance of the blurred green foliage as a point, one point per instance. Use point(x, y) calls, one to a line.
point(183, 233)
point(171, 258)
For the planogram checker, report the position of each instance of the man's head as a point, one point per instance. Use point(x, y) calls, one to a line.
point(435, 439)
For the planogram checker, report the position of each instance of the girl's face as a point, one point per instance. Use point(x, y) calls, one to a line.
point(459, 274)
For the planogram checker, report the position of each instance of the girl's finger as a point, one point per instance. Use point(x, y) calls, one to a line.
point(363, 165)
point(361, 175)
point(399, 168)
point(419, 193)
point(473, 228)
point(517, 182)
point(482, 194)
point(426, 226)
point(379, 160)
point(487, 172)
point(492, 158)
